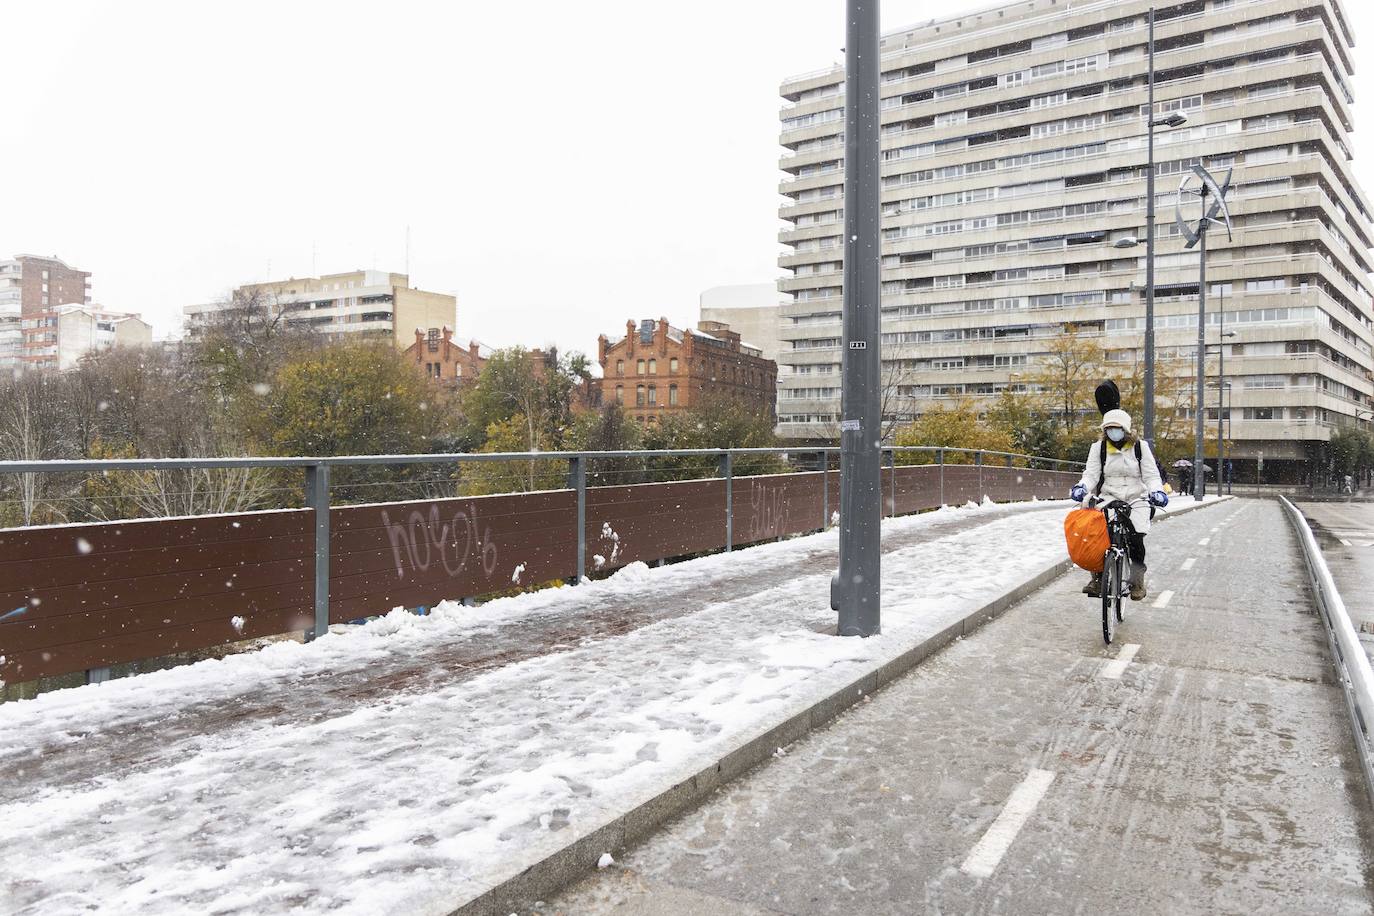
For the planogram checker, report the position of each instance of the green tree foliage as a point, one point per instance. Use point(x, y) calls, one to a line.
point(514, 383)
point(717, 423)
point(955, 426)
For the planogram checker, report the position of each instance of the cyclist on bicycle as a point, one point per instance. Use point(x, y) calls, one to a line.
point(1121, 466)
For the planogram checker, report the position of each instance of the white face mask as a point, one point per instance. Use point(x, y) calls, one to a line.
point(1116, 434)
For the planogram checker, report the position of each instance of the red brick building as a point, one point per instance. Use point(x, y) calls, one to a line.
point(444, 361)
point(657, 370)
point(38, 285)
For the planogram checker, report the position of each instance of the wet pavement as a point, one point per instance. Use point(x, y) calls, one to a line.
point(1203, 764)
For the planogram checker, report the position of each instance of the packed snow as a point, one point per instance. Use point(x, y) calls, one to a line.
point(419, 801)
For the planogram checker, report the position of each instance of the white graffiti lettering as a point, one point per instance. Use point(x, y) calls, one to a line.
point(418, 541)
point(768, 512)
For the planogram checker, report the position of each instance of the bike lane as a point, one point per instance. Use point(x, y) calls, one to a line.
point(1201, 764)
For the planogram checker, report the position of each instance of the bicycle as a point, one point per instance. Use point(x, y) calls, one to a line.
point(1116, 563)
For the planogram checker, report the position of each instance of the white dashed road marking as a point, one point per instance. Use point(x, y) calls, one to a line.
point(1163, 599)
point(982, 860)
point(1204, 542)
point(1117, 666)
point(1188, 563)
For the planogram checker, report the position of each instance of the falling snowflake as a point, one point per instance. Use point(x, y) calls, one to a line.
point(83, 546)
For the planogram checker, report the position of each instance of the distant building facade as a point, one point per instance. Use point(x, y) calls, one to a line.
point(31, 289)
point(657, 370)
point(359, 305)
point(86, 329)
point(752, 309)
point(443, 361)
point(1013, 175)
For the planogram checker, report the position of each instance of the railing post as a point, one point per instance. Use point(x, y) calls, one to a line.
point(727, 470)
point(892, 484)
point(577, 480)
point(317, 495)
point(940, 453)
point(825, 490)
point(978, 460)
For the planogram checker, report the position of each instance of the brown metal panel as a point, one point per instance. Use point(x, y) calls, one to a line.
point(50, 541)
point(29, 664)
point(775, 505)
point(918, 488)
point(141, 586)
point(653, 520)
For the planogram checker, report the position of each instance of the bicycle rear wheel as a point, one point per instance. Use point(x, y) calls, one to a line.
point(1111, 585)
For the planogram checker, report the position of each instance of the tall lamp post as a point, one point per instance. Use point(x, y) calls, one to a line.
point(1173, 119)
point(854, 590)
point(1213, 212)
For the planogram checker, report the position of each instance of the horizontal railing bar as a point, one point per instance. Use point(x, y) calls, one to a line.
point(172, 464)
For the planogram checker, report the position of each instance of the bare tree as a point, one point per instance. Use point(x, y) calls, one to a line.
point(31, 429)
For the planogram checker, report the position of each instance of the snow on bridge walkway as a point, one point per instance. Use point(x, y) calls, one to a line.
point(409, 765)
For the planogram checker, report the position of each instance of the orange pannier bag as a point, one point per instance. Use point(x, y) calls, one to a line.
point(1085, 532)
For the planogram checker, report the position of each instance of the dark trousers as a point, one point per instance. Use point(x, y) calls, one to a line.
point(1136, 549)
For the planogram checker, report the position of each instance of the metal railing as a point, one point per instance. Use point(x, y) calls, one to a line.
point(320, 471)
point(1352, 664)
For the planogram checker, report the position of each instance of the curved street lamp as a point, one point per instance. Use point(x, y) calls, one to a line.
point(1213, 213)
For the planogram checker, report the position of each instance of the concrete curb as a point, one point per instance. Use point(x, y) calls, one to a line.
point(579, 858)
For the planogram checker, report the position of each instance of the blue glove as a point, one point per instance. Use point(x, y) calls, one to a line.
point(1159, 498)
point(1078, 492)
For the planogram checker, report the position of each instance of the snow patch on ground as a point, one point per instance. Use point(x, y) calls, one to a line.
point(422, 800)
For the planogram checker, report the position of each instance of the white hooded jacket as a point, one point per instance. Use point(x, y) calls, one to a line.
point(1123, 477)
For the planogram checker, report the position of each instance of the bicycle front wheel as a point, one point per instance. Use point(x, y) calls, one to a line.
point(1111, 585)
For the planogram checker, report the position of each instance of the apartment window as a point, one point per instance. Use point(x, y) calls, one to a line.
point(639, 367)
point(620, 394)
point(639, 395)
point(438, 370)
point(620, 367)
point(672, 395)
point(653, 395)
point(672, 366)
point(1268, 284)
point(653, 369)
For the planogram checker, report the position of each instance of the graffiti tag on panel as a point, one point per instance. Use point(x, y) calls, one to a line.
point(426, 540)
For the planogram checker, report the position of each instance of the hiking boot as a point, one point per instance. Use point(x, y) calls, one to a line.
point(1137, 582)
point(1094, 587)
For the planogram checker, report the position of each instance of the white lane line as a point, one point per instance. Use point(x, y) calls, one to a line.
point(1188, 563)
point(1345, 542)
point(983, 858)
point(1204, 542)
point(1117, 666)
point(1215, 530)
point(1163, 599)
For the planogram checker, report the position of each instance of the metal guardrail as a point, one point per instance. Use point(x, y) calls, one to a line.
point(1352, 664)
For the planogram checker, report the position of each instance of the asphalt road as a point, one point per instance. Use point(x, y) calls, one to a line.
point(1203, 764)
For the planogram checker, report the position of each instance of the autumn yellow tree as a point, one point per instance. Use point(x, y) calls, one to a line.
point(956, 426)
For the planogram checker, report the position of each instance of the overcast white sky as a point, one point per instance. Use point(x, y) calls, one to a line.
point(561, 166)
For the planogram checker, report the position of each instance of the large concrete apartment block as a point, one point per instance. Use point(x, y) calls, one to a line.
point(1014, 158)
point(357, 305)
point(32, 288)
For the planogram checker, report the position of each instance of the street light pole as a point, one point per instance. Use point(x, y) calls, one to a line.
point(1199, 475)
point(1221, 390)
point(1150, 245)
point(854, 590)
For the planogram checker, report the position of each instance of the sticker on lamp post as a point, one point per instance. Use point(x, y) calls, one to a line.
point(850, 426)
point(858, 345)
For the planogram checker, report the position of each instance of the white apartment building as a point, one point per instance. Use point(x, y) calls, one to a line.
point(359, 304)
point(85, 329)
point(1014, 153)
